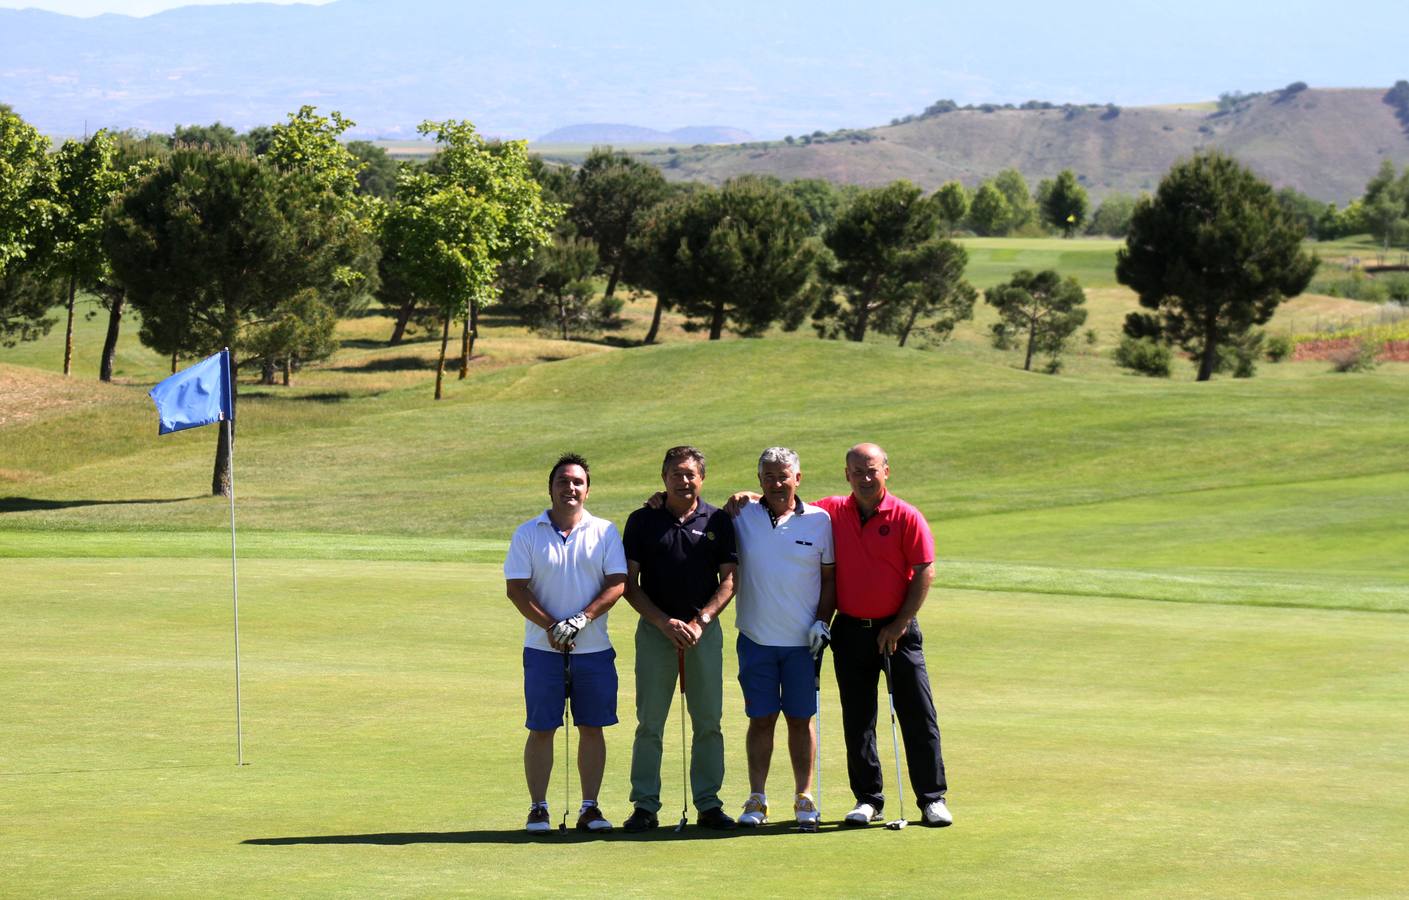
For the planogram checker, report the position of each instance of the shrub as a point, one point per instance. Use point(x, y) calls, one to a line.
point(1246, 350)
point(1359, 358)
point(1279, 347)
point(1396, 287)
point(1144, 355)
point(1002, 336)
point(1356, 286)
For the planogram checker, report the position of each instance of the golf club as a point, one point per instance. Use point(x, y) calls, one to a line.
point(895, 824)
point(817, 686)
point(567, 739)
point(684, 796)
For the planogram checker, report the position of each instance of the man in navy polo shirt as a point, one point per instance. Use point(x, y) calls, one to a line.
point(564, 571)
point(680, 561)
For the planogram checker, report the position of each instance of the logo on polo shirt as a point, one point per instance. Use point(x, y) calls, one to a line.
point(803, 543)
point(884, 530)
point(708, 534)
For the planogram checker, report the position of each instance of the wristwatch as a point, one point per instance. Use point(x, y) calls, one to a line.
point(705, 618)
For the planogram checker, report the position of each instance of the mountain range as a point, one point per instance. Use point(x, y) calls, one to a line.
point(774, 68)
point(1324, 142)
point(600, 133)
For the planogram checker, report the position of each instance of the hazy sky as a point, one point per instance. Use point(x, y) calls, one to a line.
point(126, 7)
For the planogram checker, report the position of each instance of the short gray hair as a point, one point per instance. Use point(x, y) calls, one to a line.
point(778, 455)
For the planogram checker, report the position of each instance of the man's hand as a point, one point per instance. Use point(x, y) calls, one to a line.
point(737, 502)
point(656, 500)
point(818, 637)
point(889, 636)
point(683, 635)
point(564, 633)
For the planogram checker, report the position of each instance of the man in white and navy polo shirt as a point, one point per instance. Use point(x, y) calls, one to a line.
point(564, 570)
point(786, 593)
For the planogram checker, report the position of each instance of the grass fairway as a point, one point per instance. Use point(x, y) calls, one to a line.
point(1168, 638)
point(994, 260)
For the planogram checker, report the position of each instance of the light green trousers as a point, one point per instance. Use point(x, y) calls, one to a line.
point(657, 682)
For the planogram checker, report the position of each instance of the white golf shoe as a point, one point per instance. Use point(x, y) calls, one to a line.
point(755, 811)
point(863, 814)
point(806, 811)
point(937, 815)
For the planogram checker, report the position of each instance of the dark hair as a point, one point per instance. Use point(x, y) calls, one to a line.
point(569, 459)
point(684, 451)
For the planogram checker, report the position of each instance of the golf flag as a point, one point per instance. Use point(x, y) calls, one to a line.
point(196, 396)
point(202, 395)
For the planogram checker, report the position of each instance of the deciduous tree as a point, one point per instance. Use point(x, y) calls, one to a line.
point(87, 176)
point(1213, 254)
point(1022, 210)
point(1385, 206)
point(989, 213)
point(1112, 217)
point(453, 227)
point(1064, 206)
point(25, 182)
point(953, 202)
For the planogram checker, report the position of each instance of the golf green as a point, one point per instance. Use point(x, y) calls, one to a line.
point(1095, 746)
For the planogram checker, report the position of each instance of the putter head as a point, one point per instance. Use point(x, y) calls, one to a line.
point(897, 824)
point(562, 827)
point(680, 826)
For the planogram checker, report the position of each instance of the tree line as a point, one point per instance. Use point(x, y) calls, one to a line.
point(261, 242)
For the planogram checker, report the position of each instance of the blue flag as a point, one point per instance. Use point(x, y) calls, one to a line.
point(196, 396)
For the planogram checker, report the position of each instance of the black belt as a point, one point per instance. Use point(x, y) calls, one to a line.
point(867, 623)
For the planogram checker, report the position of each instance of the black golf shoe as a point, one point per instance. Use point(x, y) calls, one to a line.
point(538, 820)
point(640, 820)
point(715, 818)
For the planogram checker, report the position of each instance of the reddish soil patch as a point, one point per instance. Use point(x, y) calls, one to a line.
point(1392, 351)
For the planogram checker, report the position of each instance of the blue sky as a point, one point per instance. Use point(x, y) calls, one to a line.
point(771, 67)
point(125, 7)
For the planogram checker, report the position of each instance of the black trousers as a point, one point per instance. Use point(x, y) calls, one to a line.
point(859, 666)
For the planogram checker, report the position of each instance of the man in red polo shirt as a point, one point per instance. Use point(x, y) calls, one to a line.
point(885, 563)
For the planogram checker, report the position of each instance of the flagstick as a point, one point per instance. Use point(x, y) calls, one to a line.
point(235, 586)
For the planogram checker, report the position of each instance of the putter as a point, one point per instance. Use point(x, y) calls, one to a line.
point(684, 796)
point(895, 824)
point(817, 686)
point(567, 740)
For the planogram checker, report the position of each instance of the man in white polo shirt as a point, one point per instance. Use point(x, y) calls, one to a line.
point(786, 593)
point(564, 570)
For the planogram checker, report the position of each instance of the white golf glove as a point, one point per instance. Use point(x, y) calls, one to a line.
point(818, 637)
point(565, 632)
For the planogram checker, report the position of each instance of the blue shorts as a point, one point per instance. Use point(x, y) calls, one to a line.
point(593, 688)
point(777, 678)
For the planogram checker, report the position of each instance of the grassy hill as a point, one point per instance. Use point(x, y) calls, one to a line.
point(1323, 142)
point(1166, 638)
